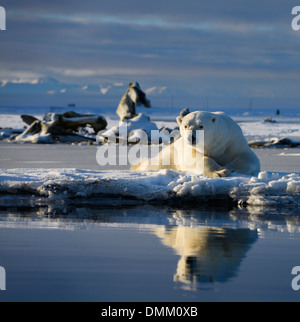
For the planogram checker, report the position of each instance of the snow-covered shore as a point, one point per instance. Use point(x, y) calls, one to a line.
point(252, 124)
point(40, 182)
point(60, 185)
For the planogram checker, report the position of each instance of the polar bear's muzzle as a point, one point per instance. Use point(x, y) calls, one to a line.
point(194, 139)
point(190, 137)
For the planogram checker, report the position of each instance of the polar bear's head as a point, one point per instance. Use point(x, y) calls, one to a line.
point(199, 121)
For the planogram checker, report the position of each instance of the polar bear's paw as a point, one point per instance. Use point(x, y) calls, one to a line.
point(222, 173)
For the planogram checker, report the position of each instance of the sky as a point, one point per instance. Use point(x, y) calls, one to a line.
point(218, 52)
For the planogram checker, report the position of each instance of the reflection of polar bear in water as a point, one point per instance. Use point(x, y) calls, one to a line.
point(208, 254)
point(133, 96)
point(224, 149)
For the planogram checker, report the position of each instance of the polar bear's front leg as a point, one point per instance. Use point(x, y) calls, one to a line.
point(213, 169)
point(245, 163)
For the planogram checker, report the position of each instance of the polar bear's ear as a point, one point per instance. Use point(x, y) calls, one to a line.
point(179, 120)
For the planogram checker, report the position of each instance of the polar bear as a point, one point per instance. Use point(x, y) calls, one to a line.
point(133, 96)
point(224, 149)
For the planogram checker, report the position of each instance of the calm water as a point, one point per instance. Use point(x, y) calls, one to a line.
point(113, 253)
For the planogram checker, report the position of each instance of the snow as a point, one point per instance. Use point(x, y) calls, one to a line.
point(11, 124)
point(34, 138)
point(252, 125)
point(267, 189)
point(259, 130)
point(137, 129)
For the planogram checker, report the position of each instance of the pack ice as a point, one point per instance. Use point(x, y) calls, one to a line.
point(162, 186)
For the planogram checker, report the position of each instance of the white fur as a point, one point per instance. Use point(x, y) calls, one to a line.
point(225, 148)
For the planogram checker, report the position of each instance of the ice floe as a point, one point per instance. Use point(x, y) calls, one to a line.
point(267, 189)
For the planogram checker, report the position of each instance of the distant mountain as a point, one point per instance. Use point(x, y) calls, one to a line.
point(48, 81)
point(50, 91)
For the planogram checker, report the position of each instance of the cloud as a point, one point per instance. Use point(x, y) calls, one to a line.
point(218, 47)
point(165, 10)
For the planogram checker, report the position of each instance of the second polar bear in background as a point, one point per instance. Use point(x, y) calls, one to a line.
point(224, 149)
